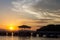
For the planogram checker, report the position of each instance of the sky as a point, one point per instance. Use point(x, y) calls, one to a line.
point(29, 12)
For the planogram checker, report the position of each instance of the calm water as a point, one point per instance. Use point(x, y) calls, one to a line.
point(26, 38)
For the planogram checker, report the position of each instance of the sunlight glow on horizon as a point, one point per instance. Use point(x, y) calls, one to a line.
point(12, 27)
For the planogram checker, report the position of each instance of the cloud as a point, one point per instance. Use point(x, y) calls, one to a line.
point(49, 4)
point(47, 9)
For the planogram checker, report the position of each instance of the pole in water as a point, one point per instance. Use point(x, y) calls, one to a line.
point(6, 36)
point(12, 35)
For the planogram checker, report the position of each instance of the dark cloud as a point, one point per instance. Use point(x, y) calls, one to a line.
point(48, 4)
point(49, 9)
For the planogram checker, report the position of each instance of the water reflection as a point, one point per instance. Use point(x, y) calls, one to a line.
point(25, 38)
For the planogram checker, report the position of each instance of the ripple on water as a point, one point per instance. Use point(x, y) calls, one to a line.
point(26, 38)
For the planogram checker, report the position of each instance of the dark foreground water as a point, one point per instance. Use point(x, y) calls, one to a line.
point(26, 38)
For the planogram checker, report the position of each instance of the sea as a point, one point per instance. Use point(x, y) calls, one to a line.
point(26, 38)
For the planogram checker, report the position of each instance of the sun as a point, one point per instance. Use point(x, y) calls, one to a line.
point(12, 28)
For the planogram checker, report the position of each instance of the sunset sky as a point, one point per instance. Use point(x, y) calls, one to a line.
point(29, 12)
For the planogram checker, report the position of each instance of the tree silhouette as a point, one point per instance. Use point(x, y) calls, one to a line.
point(24, 26)
point(50, 27)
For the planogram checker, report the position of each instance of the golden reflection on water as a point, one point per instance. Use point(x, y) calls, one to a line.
point(25, 38)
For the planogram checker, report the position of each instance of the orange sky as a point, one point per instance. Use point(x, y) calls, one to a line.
point(16, 14)
point(15, 23)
